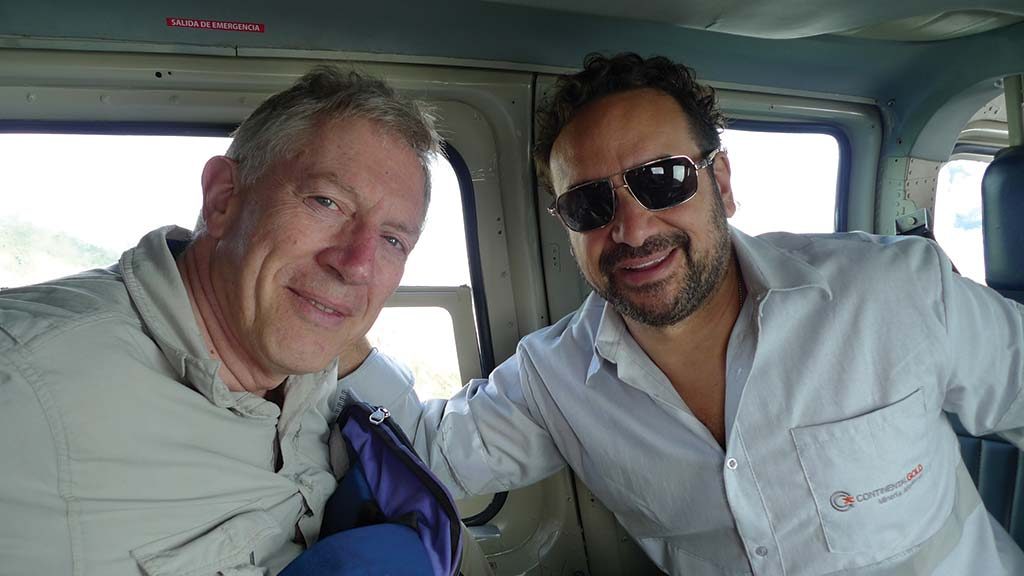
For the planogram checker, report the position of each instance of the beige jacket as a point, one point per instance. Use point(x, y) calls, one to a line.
point(122, 451)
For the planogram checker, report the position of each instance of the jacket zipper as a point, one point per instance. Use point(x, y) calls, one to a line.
point(379, 415)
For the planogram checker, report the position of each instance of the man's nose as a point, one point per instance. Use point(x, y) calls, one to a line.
point(353, 256)
point(632, 222)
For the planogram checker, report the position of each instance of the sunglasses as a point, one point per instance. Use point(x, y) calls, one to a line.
point(657, 185)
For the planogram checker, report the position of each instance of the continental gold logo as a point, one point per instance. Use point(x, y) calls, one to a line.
point(843, 501)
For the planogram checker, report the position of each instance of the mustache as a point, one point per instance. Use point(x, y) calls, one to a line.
point(619, 252)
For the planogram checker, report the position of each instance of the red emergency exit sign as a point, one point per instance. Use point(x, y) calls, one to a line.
point(216, 25)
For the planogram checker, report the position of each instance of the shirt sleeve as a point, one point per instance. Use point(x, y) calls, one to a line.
point(34, 532)
point(985, 351)
point(484, 439)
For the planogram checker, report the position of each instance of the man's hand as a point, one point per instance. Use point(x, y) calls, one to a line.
point(352, 357)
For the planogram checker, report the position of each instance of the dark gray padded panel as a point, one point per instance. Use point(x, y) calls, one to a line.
point(1002, 200)
point(780, 18)
point(994, 464)
point(998, 471)
point(506, 33)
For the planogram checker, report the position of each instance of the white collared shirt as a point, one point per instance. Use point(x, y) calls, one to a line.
point(839, 457)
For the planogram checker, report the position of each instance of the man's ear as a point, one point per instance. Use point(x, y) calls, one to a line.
point(220, 194)
point(722, 173)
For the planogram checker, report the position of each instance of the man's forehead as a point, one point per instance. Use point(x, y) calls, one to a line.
point(368, 178)
point(618, 132)
point(341, 144)
point(327, 176)
point(334, 176)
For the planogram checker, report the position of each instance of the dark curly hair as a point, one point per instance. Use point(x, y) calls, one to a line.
point(603, 76)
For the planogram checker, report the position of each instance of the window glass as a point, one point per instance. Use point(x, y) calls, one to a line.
point(424, 340)
point(783, 181)
point(439, 258)
point(73, 202)
point(958, 216)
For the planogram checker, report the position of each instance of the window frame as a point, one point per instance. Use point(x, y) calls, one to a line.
point(454, 300)
point(975, 153)
point(115, 128)
point(842, 190)
point(485, 346)
point(482, 336)
point(979, 152)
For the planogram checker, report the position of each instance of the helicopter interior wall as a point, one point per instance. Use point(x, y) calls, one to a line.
point(887, 72)
point(785, 19)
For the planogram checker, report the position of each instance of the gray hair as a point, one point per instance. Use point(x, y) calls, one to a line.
point(280, 126)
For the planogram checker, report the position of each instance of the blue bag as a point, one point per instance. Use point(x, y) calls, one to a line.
point(389, 514)
point(392, 549)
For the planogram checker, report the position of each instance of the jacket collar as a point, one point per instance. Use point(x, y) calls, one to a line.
point(158, 292)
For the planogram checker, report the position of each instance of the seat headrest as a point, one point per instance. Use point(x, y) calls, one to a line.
point(1002, 200)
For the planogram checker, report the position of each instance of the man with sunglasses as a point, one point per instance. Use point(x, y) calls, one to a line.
point(774, 405)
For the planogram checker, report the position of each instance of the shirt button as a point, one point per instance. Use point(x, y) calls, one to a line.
point(731, 463)
point(761, 551)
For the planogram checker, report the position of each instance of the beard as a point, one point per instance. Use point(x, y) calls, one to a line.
point(703, 275)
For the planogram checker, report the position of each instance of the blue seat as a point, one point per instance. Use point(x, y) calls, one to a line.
point(996, 465)
point(1002, 203)
point(998, 471)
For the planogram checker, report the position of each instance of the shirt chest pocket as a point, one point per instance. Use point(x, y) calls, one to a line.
point(881, 482)
point(224, 546)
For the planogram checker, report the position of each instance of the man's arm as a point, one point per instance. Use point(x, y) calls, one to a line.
point(34, 534)
point(985, 348)
point(484, 439)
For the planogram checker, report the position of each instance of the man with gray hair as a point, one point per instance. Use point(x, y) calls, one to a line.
point(170, 414)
